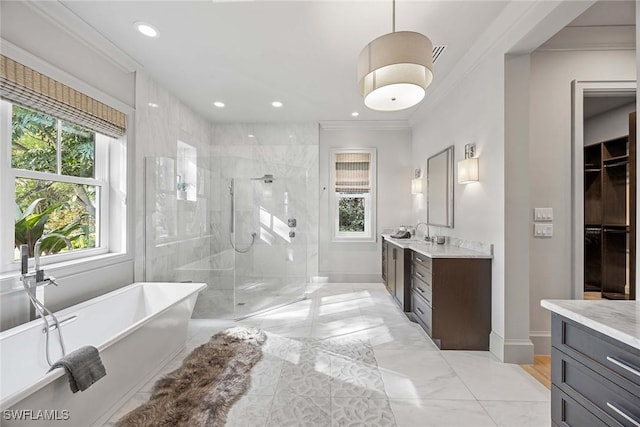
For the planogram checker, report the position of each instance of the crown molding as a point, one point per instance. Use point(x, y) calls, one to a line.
point(365, 124)
point(28, 59)
point(72, 24)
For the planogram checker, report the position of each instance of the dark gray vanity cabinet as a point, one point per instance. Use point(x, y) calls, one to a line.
point(595, 378)
point(397, 273)
point(451, 300)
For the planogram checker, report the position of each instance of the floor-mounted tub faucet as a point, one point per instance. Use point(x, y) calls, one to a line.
point(36, 257)
point(31, 282)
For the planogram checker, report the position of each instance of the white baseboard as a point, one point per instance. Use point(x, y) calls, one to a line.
point(541, 341)
point(510, 350)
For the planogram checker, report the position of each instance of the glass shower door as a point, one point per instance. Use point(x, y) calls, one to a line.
point(269, 242)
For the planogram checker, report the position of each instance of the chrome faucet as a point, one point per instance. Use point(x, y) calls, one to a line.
point(426, 236)
point(31, 282)
point(36, 256)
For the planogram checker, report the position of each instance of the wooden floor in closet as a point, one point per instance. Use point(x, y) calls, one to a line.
point(541, 369)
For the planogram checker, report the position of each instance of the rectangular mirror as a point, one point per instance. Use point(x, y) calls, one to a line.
point(440, 188)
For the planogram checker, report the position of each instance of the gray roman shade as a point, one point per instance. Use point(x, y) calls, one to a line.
point(352, 172)
point(29, 88)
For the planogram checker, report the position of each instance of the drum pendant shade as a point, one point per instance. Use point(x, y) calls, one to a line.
point(394, 70)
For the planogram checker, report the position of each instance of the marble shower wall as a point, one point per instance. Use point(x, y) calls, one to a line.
point(170, 233)
point(290, 152)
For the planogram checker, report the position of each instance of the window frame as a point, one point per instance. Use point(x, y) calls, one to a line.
point(7, 196)
point(369, 233)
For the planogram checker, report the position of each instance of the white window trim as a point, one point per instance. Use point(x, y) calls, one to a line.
point(7, 198)
point(369, 234)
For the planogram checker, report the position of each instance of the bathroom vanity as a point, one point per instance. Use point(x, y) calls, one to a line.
point(595, 362)
point(446, 288)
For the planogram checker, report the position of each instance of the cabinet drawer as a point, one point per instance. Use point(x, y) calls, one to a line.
point(421, 273)
point(583, 384)
point(610, 358)
point(421, 288)
point(421, 260)
point(567, 412)
point(422, 311)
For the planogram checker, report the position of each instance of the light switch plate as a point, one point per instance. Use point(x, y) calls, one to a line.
point(543, 230)
point(543, 214)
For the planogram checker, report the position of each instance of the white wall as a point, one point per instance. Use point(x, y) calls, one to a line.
point(608, 125)
point(468, 115)
point(550, 166)
point(361, 262)
point(472, 105)
point(34, 41)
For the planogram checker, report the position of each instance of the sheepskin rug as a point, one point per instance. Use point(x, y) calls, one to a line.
point(201, 392)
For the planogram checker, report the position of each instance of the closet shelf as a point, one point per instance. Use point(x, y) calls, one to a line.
point(615, 158)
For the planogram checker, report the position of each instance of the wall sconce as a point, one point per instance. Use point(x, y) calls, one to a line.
point(468, 168)
point(416, 183)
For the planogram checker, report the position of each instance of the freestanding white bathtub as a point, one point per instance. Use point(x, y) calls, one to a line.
point(137, 329)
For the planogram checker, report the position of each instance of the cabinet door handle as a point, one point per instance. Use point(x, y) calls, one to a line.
point(624, 414)
point(419, 259)
point(624, 365)
point(419, 275)
point(421, 312)
point(420, 289)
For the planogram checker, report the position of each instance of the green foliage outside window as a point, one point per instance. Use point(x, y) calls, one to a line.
point(351, 214)
point(45, 206)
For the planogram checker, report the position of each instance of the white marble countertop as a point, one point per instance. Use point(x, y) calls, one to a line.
point(433, 250)
point(618, 319)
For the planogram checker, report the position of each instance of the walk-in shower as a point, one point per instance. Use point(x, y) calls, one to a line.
point(242, 230)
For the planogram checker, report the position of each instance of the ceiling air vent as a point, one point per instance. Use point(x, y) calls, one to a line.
point(437, 51)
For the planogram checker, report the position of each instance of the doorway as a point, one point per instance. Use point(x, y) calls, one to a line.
point(604, 190)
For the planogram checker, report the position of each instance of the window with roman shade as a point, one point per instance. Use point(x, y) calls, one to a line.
point(55, 177)
point(353, 196)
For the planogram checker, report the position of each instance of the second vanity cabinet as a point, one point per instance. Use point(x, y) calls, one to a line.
point(595, 378)
point(451, 300)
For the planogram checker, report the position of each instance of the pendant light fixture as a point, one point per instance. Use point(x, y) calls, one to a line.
point(395, 69)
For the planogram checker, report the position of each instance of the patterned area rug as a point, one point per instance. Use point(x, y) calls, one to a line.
point(201, 392)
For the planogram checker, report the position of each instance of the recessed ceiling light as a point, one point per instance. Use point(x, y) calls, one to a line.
point(146, 29)
point(153, 105)
point(251, 135)
point(219, 104)
point(277, 104)
point(355, 114)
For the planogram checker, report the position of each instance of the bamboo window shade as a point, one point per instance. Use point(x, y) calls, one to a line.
point(353, 172)
point(22, 85)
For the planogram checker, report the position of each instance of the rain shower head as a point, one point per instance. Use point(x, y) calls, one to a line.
point(267, 179)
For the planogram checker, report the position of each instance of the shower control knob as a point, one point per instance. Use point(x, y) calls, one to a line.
point(291, 222)
point(292, 234)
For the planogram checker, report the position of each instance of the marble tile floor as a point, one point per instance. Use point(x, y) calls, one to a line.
point(347, 356)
